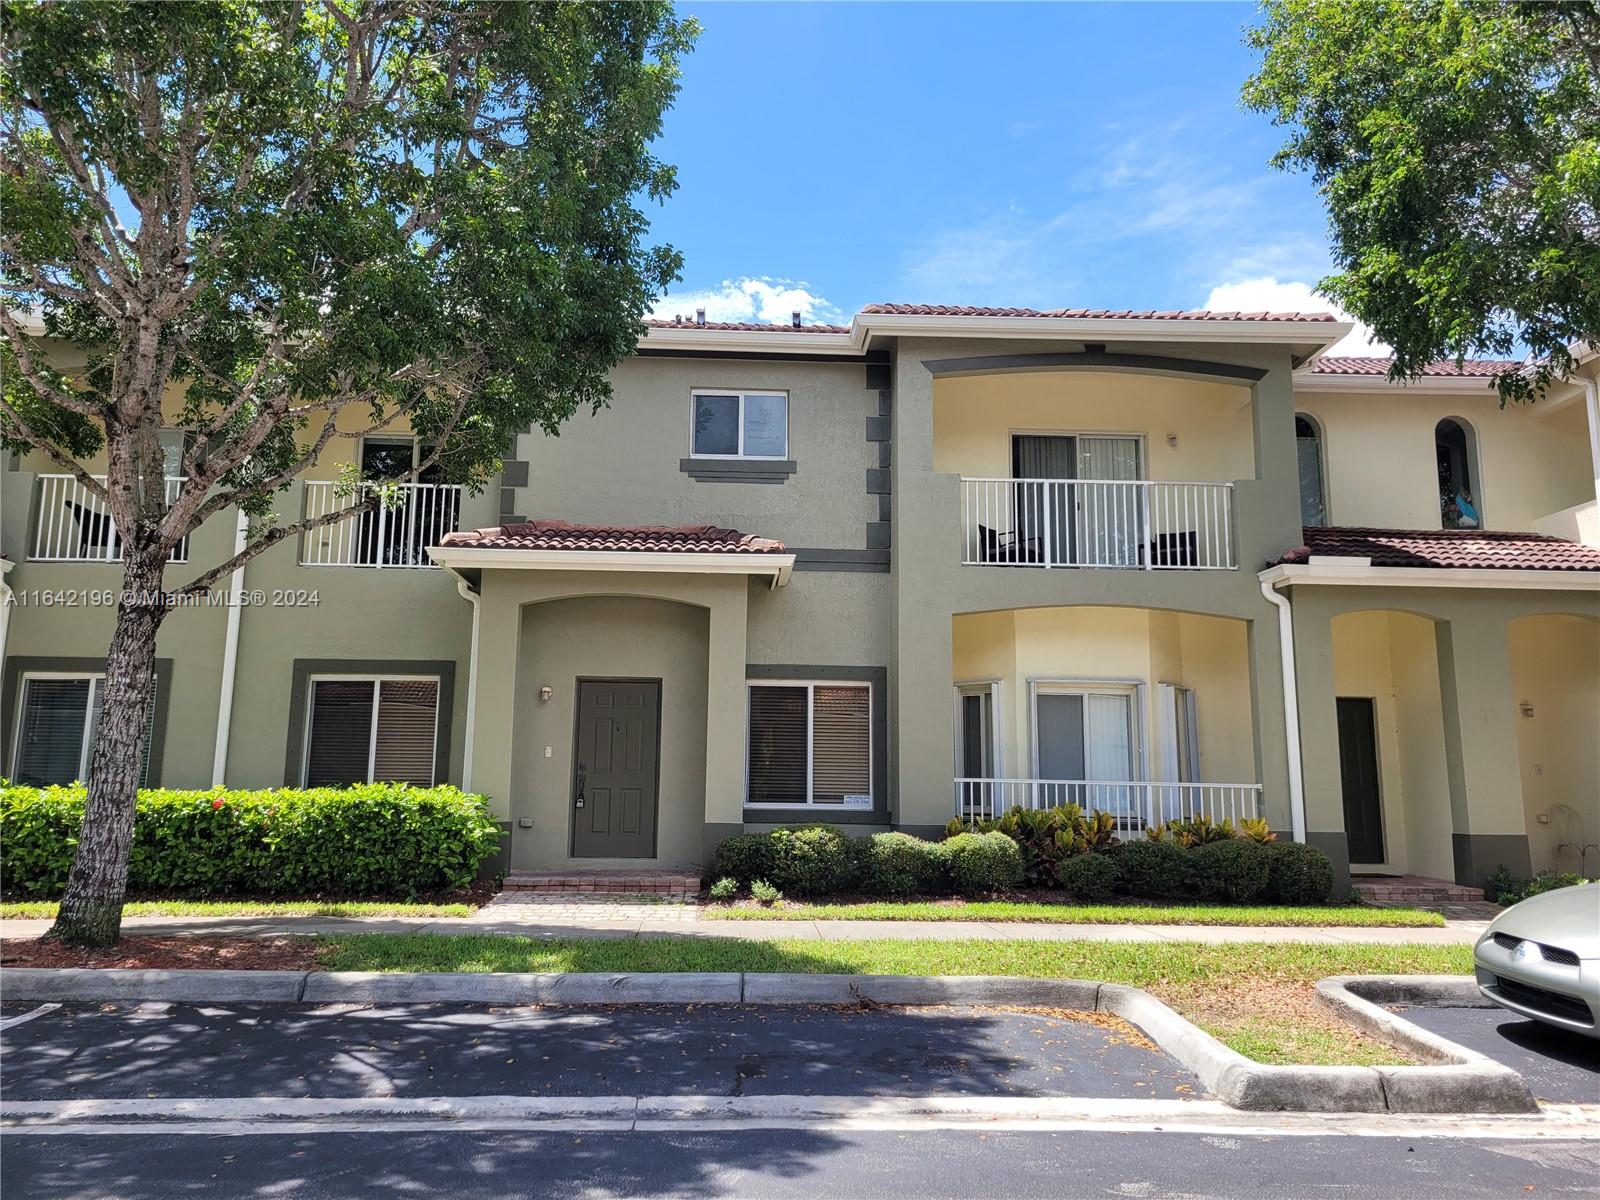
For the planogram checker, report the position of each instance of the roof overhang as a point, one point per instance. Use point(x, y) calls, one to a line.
point(1307, 381)
point(776, 568)
point(1335, 571)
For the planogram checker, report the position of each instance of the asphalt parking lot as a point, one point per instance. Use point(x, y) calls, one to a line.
point(1560, 1067)
point(120, 1050)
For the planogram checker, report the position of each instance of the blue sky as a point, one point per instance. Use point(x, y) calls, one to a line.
point(1045, 155)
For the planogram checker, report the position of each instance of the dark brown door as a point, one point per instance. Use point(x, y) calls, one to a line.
point(1358, 774)
point(615, 781)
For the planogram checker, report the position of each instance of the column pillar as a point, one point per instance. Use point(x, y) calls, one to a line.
point(726, 711)
point(1319, 732)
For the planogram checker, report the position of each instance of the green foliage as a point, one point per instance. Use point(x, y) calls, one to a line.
point(379, 839)
point(1199, 831)
point(764, 893)
point(1091, 878)
point(1298, 874)
point(744, 857)
point(897, 864)
point(1047, 836)
point(1234, 871)
point(1257, 830)
point(983, 862)
point(725, 888)
point(1503, 887)
point(812, 860)
point(1457, 145)
point(1152, 870)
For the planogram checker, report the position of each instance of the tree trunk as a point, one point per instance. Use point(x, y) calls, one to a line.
point(91, 909)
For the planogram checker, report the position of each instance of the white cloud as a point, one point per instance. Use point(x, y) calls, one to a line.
point(760, 298)
point(1267, 294)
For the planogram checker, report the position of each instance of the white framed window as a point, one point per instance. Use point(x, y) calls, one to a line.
point(977, 755)
point(364, 728)
point(57, 716)
point(1180, 733)
point(810, 744)
point(735, 424)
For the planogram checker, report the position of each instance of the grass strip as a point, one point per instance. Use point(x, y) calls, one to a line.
point(1310, 916)
point(18, 910)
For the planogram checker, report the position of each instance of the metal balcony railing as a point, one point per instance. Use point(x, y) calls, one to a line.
point(74, 525)
point(1135, 804)
point(1139, 523)
point(385, 537)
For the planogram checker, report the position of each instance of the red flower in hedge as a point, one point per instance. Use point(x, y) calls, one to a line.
point(217, 803)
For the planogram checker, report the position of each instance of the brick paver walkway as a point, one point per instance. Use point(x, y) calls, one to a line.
point(580, 907)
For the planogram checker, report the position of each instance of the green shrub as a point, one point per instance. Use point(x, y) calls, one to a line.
point(1199, 831)
point(812, 860)
point(377, 839)
point(1152, 870)
point(764, 893)
point(1091, 878)
point(725, 888)
point(897, 864)
point(744, 857)
point(1046, 836)
point(1234, 871)
point(1298, 874)
point(983, 862)
point(1503, 887)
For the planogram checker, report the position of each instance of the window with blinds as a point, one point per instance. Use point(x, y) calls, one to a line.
point(56, 727)
point(362, 730)
point(810, 743)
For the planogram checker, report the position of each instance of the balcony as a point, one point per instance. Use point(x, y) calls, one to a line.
point(388, 537)
point(73, 524)
point(1134, 804)
point(1136, 524)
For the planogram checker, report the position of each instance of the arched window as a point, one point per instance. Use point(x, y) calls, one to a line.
point(1460, 507)
point(1308, 450)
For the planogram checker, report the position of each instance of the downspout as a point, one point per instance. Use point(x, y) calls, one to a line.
point(230, 659)
point(1591, 396)
point(1291, 709)
point(475, 600)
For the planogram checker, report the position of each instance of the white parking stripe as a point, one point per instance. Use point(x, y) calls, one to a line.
point(11, 1022)
point(255, 1116)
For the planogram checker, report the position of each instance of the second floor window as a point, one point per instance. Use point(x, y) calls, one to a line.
point(1308, 450)
point(1459, 506)
point(740, 425)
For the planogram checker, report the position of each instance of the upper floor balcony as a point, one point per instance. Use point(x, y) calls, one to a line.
point(389, 536)
point(73, 525)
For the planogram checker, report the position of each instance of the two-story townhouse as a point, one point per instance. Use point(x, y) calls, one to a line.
point(936, 562)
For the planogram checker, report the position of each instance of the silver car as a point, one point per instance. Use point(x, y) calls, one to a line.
point(1541, 958)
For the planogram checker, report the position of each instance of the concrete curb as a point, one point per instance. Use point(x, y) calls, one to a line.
point(1455, 1079)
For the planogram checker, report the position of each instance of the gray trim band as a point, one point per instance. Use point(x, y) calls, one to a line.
point(514, 472)
point(737, 470)
point(304, 668)
point(873, 559)
point(878, 814)
point(1094, 360)
point(11, 727)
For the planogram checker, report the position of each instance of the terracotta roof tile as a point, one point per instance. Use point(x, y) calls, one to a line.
point(563, 535)
point(959, 310)
point(742, 326)
point(1447, 548)
point(1476, 368)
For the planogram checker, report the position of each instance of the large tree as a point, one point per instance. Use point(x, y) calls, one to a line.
point(1457, 144)
point(292, 224)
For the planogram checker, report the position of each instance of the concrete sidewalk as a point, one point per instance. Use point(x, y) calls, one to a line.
point(643, 924)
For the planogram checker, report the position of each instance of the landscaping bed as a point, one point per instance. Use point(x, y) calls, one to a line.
point(171, 953)
point(464, 906)
point(1055, 910)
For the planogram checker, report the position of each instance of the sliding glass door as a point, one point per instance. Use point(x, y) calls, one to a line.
point(1085, 747)
point(1087, 518)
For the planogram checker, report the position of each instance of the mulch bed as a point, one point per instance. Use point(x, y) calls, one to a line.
point(478, 893)
point(169, 953)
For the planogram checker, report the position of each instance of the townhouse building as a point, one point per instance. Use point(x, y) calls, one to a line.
point(936, 562)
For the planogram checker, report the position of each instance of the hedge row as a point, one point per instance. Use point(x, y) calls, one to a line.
point(378, 839)
point(813, 860)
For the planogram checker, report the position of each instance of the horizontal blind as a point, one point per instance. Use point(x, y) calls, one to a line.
point(407, 717)
point(841, 744)
point(149, 724)
point(341, 732)
point(51, 742)
point(777, 763)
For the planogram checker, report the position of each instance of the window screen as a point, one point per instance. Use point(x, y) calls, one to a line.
point(741, 424)
point(778, 745)
point(346, 747)
point(809, 743)
point(57, 725)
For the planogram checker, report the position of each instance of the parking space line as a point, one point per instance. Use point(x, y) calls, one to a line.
point(22, 1018)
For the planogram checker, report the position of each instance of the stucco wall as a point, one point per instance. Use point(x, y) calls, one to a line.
point(1380, 468)
point(1555, 669)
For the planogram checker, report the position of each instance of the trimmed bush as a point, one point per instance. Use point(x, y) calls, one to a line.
point(1504, 887)
point(897, 864)
point(983, 862)
point(764, 893)
point(1234, 871)
point(1091, 878)
point(812, 860)
point(744, 858)
point(726, 888)
point(1152, 870)
point(1298, 874)
point(377, 839)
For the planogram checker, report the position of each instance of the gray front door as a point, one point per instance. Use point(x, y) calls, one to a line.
point(614, 783)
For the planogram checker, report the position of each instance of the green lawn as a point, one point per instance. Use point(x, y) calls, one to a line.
point(1086, 914)
point(46, 909)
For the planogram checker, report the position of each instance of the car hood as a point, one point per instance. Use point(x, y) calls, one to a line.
point(1567, 917)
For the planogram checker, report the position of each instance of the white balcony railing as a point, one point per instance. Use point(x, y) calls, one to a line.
point(385, 537)
point(74, 525)
point(1134, 804)
point(1138, 523)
